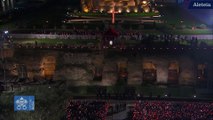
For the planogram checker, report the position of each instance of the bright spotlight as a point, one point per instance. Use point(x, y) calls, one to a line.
point(6, 32)
point(119, 11)
point(101, 10)
point(127, 10)
point(146, 9)
point(86, 10)
point(111, 42)
point(135, 10)
point(144, 2)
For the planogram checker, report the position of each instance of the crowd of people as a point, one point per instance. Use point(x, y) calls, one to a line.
point(123, 35)
point(143, 110)
point(172, 110)
point(85, 110)
point(118, 39)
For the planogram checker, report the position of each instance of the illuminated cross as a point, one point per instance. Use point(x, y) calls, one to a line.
point(113, 16)
point(113, 12)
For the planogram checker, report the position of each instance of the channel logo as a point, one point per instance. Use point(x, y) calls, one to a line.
point(24, 103)
point(201, 4)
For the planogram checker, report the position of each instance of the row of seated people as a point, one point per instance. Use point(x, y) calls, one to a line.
point(135, 34)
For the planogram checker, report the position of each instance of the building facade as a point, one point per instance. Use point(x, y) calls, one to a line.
point(118, 6)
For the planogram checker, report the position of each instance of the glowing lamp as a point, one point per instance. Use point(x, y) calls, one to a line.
point(144, 2)
point(110, 42)
point(135, 10)
point(86, 9)
point(6, 32)
point(101, 10)
point(146, 9)
point(119, 11)
point(127, 10)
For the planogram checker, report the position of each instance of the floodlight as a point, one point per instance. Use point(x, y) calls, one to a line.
point(127, 10)
point(111, 42)
point(101, 10)
point(135, 10)
point(119, 10)
point(6, 32)
point(144, 2)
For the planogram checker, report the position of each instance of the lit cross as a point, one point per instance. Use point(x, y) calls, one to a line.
point(112, 11)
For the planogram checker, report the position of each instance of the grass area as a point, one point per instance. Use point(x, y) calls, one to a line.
point(176, 91)
point(85, 42)
point(49, 104)
point(7, 26)
point(131, 42)
point(56, 41)
point(208, 42)
point(192, 32)
point(90, 26)
point(173, 14)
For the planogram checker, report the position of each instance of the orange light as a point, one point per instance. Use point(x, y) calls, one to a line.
point(86, 9)
point(146, 9)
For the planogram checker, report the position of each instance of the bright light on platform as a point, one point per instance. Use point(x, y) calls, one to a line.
point(146, 9)
point(6, 32)
point(119, 11)
point(101, 10)
point(127, 10)
point(135, 10)
point(110, 42)
point(86, 10)
point(144, 2)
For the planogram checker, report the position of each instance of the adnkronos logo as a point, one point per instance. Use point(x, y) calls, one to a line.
point(201, 4)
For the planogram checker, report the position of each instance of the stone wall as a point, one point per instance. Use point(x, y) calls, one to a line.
point(78, 68)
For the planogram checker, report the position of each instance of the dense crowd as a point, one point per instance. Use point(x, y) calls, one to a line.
point(166, 110)
point(85, 110)
point(134, 40)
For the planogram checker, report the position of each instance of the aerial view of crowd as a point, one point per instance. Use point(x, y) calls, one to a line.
point(85, 110)
point(172, 110)
point(143, 110)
